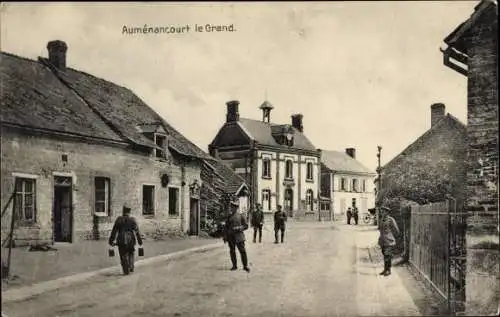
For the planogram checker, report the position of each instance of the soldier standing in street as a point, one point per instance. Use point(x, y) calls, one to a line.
point(257, 222)
point(234, 235)
point(388, 230)
point(279, 224)
point(349, 215)
point(125, 231)
point(355, 214)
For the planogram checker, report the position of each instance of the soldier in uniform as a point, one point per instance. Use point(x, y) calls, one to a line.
point(125, 230)
point(388, 230)
point(349, 215)
point(234, 235)
point(257, 222)
point(355, 214)
point(280, 218)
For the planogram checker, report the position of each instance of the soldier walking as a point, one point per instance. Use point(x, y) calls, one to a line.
point(280, 218)
point(257, 222)
point(388, 230)
point(234, 235)
point(125, 230)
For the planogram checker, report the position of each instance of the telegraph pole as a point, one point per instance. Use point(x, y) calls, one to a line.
point(379, 185)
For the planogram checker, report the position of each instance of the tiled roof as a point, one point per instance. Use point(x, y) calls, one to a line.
point(261, 132)
point(76, 102)
point(233, 181)
point(455, 38)
point(341, 162)
point(31, 96)
point(447, 119)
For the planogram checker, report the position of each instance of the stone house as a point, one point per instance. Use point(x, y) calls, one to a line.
point(472, 50)
point(75, 148)
point(430, 168)
point(346, 182)
point(278, 161)
point(220, 184)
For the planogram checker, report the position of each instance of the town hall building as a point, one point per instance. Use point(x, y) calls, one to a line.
point(278, 161)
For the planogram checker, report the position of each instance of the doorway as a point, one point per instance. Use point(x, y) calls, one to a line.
point(194, 216)
point(62, 213)
point(289, 201)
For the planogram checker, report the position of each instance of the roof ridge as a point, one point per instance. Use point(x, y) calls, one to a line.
point(93, 76)
point(347, 156)
point(426, 133)
point(79, 96)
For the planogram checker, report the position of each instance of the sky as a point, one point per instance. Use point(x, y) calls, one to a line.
point(363, 74)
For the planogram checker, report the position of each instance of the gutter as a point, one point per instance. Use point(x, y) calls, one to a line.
point(454, 59)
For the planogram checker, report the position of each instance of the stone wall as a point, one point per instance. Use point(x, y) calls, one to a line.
point(41, 157)
point(482, 279)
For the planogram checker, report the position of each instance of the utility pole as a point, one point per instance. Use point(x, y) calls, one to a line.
point(379, 185)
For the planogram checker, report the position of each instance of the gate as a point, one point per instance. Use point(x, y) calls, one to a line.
point(437, 249)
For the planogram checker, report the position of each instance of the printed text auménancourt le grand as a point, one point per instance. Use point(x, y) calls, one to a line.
point(178, 29)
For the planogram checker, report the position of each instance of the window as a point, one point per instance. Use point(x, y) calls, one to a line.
point(343, 184)
point(355, 185)
point(364, 185)
point(289, 169)
point(148, 200)
point(309, 200)
point(266, 199)
point(173, 201)
point(160, 141)
point(25, 199)
point(354, 202)
point(309, 173)
point(102, 199)
point(266, 168)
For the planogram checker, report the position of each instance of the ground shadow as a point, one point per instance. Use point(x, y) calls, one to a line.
point(428, 302)
point(112, 274)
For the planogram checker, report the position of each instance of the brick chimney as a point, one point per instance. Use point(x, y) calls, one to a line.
point(297, 122)
point(57, 54)
point(351, 152)
point(232, 111)
point(437, 113)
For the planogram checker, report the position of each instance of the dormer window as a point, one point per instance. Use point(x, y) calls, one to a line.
point(159, 137)
point(161, 142)
point(283, 134)
point(289, 139)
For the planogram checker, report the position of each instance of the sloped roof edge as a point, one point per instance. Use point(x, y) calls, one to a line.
point(448, 116)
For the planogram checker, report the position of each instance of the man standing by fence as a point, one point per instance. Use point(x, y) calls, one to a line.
point(388, 230)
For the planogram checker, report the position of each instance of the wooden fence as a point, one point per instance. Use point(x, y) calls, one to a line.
point(429, 244)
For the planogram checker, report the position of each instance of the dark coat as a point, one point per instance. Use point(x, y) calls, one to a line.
point(125, 225)
point(388, 229)
point(234, 229)
point(280, 218)
point(257, 218)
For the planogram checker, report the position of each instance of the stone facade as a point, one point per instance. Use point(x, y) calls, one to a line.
point(430, 169)
point(475, 44)
point(278, 173)
point(40, 157)
point(346, 182)
point(76, 147)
